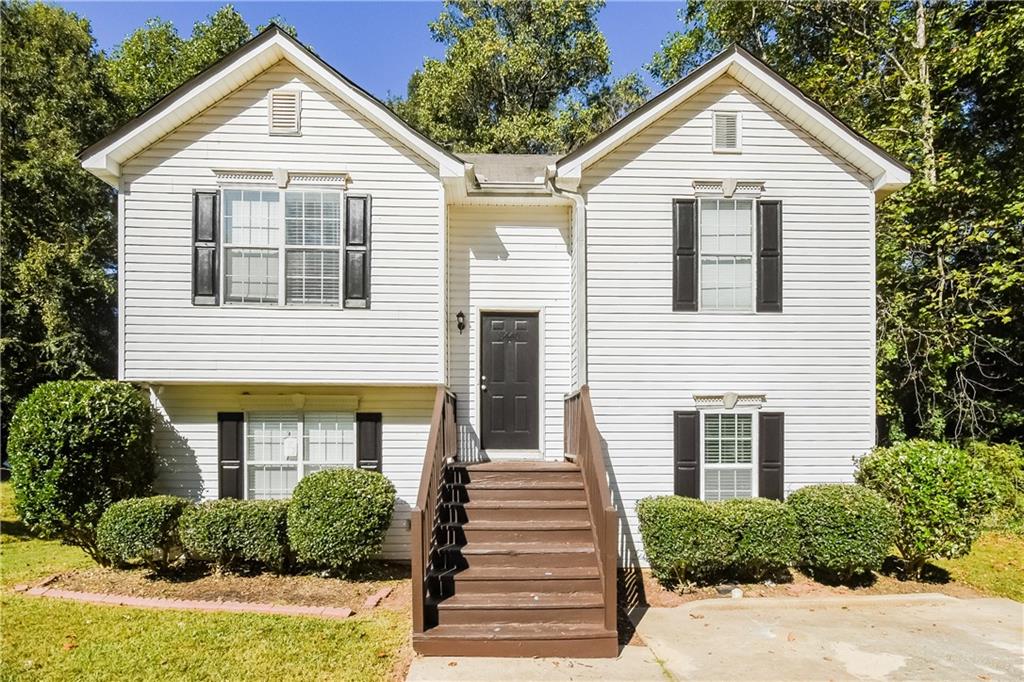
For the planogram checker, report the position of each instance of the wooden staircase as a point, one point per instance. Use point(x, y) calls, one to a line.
point(514, 558)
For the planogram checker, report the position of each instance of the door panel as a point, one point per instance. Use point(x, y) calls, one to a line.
point(509, 388)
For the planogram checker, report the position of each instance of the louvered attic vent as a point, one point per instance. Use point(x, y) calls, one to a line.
point(284, 109)
point(727, 132)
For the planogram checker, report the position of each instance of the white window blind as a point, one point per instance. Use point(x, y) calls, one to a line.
point(726, 131)
point(313, 222)
point(728, 443)
point(284, 111)
point(726, 254)
point(282, 448)
point(251, 221)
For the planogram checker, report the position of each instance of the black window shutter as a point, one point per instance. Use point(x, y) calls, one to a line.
point(769, 257)
point(687, 454)
point(357, 251)
point(229, 446)
point(684, 254)
point(770, 439)
point(204, 247)
point(368, 440)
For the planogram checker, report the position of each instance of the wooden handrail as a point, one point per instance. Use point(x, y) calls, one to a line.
point(427, 537)
point(583, 445)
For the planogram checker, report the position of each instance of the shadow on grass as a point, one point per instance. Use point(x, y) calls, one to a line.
point(16, 529)
point(894, 567)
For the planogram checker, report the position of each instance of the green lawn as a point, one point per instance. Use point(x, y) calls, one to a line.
point(44, 639)
point(994, 566)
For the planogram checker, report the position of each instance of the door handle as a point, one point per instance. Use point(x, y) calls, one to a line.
point(483, 388)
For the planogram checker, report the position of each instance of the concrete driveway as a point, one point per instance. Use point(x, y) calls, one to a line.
point(905, 637)
point(899, 637)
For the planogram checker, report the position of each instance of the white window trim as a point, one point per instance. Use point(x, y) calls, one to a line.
point(753, 257)
point(300, 430)
point(281, 246)
point(714, 132)
point(754, 436)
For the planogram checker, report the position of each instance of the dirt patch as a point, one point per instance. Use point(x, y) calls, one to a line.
point(302, 590)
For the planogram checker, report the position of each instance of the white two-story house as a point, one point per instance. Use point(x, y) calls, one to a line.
point(300, 270)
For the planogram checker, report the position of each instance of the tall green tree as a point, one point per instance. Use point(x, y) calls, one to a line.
point(518, 76)
point(155, 59)
point(941, 86)
point(57, 241)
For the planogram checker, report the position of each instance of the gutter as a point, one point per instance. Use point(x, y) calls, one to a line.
point(579, 251)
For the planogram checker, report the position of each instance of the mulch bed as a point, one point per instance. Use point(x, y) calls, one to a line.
point(203, 584)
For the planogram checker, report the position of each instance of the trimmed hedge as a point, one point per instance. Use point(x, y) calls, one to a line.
point(843, 530)
point(76, 447)
point(338, 517)
point(1005, 461)
point(941, 495)
point(236, 533)
point(142, 529)
point(685, 540)
point(764, 537)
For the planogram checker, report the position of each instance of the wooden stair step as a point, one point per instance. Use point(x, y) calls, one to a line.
point(516, 466)
point(532, 524)
point(520, 484)
point(518, 631)
point(523, 548)
point(522, 600)
point(514, 573)
point(521, 504)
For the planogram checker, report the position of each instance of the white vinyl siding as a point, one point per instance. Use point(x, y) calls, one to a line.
point(186, 439)
point(727, 450)
point(814, 361)
point(168, 339)
point(508, 258)
point(726, 254)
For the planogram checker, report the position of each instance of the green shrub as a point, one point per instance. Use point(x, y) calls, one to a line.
point(843, 530)
point(941, 495)
point(1005, 461)
point(142, 528)
point(338, 518)
point(764, 536)
point(76, 447)
point(235, 533)
point(684, 539)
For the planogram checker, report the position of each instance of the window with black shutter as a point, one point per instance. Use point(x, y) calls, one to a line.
point(769, 256)
point(684, 255)
point(205, 219)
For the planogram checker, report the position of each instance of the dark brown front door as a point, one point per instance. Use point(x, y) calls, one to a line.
point(509, 381)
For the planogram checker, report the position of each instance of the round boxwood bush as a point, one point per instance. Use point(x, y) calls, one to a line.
point(75, 448)
point(685, 540)
point(338, 518)
point(764, 536)
point(144, 528)
point(843, 530)
point(941, 495)
point(232, 534)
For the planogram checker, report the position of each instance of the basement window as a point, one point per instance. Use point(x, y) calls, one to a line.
point(726, 131)
point(284, 108)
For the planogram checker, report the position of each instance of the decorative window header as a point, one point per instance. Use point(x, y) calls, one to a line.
point(728, 401)
point(281, 178)
point(729, 187)
point(298, 401)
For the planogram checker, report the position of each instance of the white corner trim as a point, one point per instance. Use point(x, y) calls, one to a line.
point(728, 400)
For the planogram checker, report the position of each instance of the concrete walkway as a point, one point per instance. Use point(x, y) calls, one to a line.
point(898, 637)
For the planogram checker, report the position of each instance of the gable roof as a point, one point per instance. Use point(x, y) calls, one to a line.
point(887, 173)
point(104, 158)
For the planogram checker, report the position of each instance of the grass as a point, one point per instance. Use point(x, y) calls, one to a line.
point(44, 639)
point(994, 566)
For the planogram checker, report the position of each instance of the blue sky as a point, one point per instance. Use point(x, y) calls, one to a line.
point(377, 44)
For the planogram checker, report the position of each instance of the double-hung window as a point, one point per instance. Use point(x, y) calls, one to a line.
point(283, 447)
point(282, 246)
point(726, 254)
point(728, 447)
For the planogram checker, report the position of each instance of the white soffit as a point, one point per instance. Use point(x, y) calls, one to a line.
point(886, 172)
point(105, 157)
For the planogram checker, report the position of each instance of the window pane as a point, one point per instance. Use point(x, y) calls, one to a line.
point(311, 276)
point(250, 275)
point(728, 456)
point(313, 218)
point(726, 484)
point(726, 282)
point(272, 454)
point(329, 439)
point(251, 217)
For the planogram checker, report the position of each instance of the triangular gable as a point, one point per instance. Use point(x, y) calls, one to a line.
point(104, 158)
point(887, 173)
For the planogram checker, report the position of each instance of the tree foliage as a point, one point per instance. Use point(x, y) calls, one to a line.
point(518, 76)
point(940, 86)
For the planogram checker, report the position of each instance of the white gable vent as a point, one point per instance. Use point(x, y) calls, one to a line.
point(727, 131)
point(284, 109)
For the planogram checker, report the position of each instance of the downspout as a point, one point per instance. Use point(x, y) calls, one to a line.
point(579, 252)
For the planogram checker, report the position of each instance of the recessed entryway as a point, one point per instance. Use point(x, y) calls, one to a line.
point(509, 381)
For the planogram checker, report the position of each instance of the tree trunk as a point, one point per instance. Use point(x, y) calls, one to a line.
point(927, 126)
